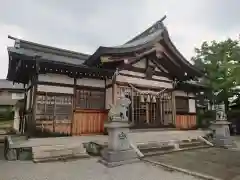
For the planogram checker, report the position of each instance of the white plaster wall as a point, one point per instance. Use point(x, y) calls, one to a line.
point(132, 73)
point(140, 64)
point(17, 95)
point(127, 72)
point(91, 82)
point(56, 78)
point(162, 78)
point(108, 81)
point(184, 94)
point(180, 93)
point(191, 102)
point(144, 82)
point(16, 119)
point(55, 89)
point(191, 95)
point(192, 105)
point(163, 69)
point(108, 98)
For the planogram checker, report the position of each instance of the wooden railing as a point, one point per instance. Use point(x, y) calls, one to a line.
point(88, 121)
point(186, 121)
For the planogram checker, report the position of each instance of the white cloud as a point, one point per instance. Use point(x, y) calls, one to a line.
point(84, 25)
point(6, 30)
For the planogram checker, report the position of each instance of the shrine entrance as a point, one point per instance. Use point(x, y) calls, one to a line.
point(149, 108)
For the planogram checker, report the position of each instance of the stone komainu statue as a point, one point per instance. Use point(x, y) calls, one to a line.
point(220, 112)
point(119, 110)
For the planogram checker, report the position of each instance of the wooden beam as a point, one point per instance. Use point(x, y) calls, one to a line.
point(143, 70)
point(159, 66)
point(141, 55)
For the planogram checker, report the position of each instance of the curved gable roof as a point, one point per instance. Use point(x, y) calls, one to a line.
point(145, 39)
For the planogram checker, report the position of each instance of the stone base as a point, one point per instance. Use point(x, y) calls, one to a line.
point(115, 164)
point(116, 158)
point(58, 152)
point(225, 142)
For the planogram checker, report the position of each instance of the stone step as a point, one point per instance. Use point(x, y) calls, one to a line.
point(161, 151)
point(58, 152)
point(190, 144)
point(167, 147)
point(94, 148)
point(155, 149)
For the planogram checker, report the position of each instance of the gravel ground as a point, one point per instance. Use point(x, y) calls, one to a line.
point(85, 169)
point(90, 169)
point(216, 162)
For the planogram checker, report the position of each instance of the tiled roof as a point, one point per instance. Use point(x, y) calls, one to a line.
point(5, 84)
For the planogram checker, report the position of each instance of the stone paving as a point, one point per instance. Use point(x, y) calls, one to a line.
point(90, 169)
point(135, 137)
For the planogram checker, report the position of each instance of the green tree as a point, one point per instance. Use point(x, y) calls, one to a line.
point(221, 63)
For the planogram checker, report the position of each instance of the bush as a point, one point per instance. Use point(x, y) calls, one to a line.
point(6, 113)
point(204, 119)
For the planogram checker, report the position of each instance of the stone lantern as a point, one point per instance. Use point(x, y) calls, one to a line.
point(119, 150)
point(220, 128)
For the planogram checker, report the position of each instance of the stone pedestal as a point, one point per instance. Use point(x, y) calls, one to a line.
point(118, 151)
point(220, 127)
point(222, 136)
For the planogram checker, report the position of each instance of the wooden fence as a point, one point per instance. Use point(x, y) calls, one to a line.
point(186, 121)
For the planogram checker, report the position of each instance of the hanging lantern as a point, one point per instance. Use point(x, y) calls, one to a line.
point(154, 99)
point(141, 98)
point(148, 99)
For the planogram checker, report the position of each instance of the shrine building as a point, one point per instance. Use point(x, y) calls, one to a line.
point(71, 92)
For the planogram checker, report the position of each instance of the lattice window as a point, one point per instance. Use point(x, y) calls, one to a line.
point(90, 99)
point(147, 109)
point(182, 104)
point(58, 107)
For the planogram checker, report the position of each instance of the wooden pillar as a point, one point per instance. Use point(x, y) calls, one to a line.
point(173, 108)
point(74, 103)
point(147, 112)
point(25, 97)
point(31, 95)
point(54, 115)
point(132, 105)
point(105, 89)
point(34, 97)
point(114, 93)
point(22, 116)
point(34, 104)
point(74, 94)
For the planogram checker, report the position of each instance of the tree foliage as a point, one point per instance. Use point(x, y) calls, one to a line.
point(221, 63)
